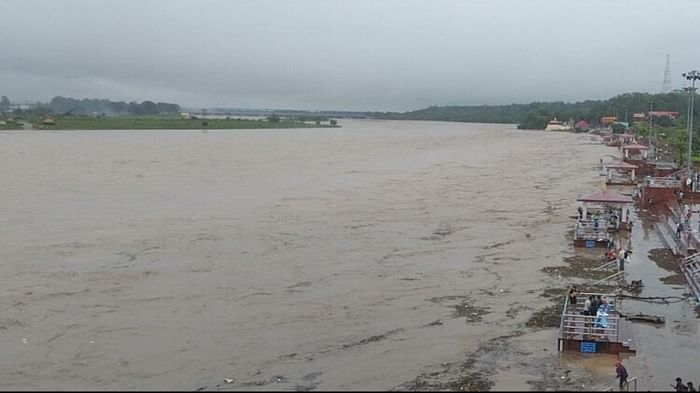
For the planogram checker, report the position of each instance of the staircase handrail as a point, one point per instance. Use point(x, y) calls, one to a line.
point(679, 172)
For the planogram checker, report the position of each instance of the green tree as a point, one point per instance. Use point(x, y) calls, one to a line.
point(535, 115)
point(663, 121)
point(148, 108)
point(618, 128)
point(677, 139)
point(4, 103)
point(134, 108)
point(273, 118)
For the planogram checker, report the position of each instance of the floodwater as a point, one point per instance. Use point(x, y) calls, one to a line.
point(354, 258)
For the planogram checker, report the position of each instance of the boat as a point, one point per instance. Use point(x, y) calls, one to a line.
point(557, 125)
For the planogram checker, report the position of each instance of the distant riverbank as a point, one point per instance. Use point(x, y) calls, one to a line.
point(160, 123)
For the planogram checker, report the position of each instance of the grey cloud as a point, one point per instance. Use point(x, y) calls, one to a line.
point(355, 55)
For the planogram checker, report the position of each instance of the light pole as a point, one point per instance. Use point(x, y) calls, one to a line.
point(687, 119)
point(692, 76)
point(651, 108)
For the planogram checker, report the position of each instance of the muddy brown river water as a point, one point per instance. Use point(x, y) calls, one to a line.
point(380, 255)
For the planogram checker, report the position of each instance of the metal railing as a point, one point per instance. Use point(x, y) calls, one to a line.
point(688, 239)
point(589, 230)
point(592, 235)
point(590, 222)
point(691, 269)
point(632, 381)
point(617, 275)
point(693, 241)
point(626, 387)
point(588, 327)
point(600, 233)
point(662, 182)
point(679, 172)
point(692, 258)
point(606, 265)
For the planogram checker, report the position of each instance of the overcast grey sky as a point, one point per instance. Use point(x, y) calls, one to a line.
point(344, 55)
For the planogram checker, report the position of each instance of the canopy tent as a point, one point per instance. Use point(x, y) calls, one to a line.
point(635, 147)
point(606, 197)
point(622, 166)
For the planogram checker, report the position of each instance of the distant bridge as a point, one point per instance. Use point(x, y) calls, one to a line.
point(279, 112)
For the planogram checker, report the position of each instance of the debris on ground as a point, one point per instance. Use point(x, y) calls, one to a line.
point(548, 317)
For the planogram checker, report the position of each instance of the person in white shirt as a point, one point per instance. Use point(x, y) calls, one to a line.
point(587, 306)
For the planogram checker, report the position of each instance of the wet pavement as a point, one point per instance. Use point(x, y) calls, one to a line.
point(663, 351)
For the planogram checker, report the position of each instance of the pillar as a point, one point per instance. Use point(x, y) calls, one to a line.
point(624, 213)
point(585, 210)
point(627, 153)
point(633, 174)
point(645, 151)
point(609, 174)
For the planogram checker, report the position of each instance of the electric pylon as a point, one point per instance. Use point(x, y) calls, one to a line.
point(666, 87)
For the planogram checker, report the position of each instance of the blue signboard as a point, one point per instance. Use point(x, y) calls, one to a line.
point(590, 243)
point(588, 347)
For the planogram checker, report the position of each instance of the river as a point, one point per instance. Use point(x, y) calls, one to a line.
point(353, 258)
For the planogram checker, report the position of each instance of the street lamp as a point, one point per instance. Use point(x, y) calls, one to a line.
point(692, 76)
point(651, 108)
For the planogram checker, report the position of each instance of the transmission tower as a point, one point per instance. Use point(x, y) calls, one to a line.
point(666, 87)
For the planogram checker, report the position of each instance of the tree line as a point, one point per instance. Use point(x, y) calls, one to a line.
point(100, 107)
point(91, 106)
point(536, 115)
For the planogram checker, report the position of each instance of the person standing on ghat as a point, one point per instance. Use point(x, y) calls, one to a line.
point(573, 295)
point(621, 373)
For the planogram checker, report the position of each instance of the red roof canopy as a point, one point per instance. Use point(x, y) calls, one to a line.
point(663, 113)
point(605, 196)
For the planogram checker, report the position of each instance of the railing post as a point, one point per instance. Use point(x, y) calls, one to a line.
point(563, 316)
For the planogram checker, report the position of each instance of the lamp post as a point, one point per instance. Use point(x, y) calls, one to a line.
point(687, 117)
point(692, 76)
point(651, 108)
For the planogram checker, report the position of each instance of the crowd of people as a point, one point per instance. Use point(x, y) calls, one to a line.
point(683, 387)
point(598, 306)
point(611, 217)
point(622, 375)
point(595, 306)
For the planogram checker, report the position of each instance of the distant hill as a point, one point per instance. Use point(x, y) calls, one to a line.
point(536, 114)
